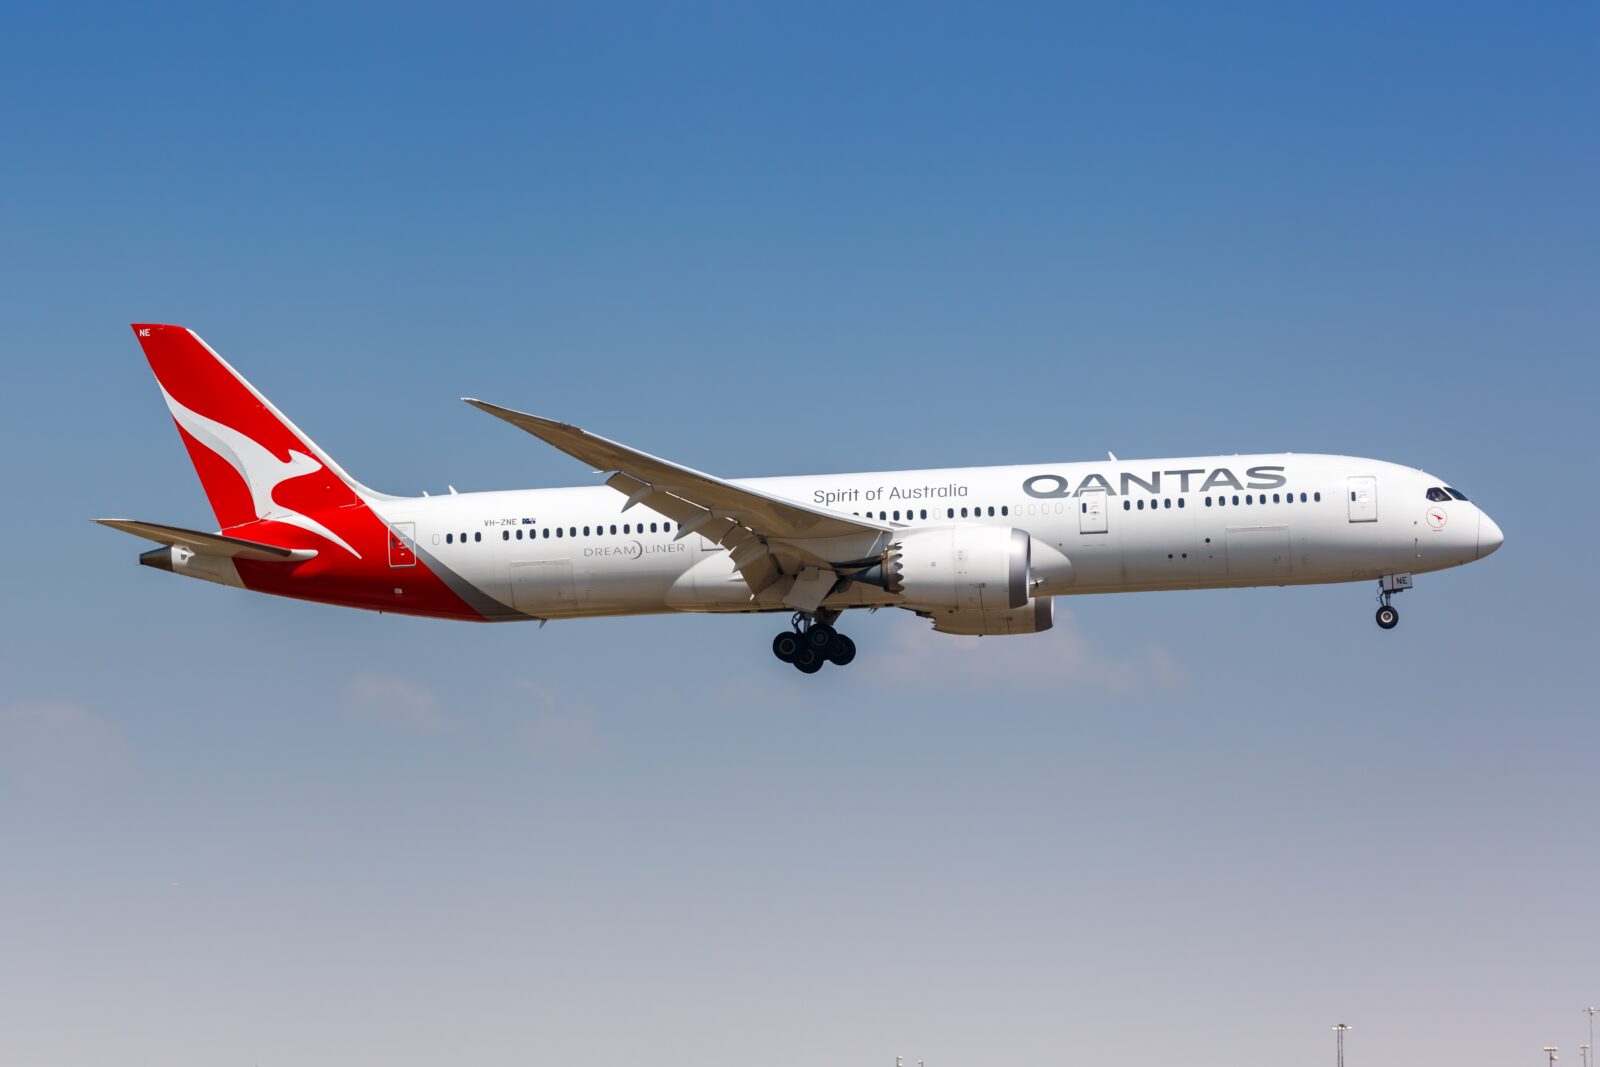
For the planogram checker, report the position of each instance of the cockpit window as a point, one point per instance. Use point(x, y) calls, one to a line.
point(1436, 494)
point(1455, 493)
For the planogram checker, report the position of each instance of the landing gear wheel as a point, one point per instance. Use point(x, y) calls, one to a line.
point(841, 651)
point(1388, 617)
point(820, 637)
point(786, 645)
point(807, 660)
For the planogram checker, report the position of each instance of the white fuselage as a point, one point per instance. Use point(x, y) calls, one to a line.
point(1114, 526)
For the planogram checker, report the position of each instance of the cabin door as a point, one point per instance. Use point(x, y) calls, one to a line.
point(1364, 499)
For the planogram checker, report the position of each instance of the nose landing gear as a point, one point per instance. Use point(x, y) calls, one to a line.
point(1388, 585)
point(812, 641)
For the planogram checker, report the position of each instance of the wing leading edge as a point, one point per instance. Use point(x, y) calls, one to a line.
point(767, 536)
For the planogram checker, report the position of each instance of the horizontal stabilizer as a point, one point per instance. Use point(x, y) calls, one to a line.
point(209, 544)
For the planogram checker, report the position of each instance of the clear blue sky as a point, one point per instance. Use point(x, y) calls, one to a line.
point(1193, 826)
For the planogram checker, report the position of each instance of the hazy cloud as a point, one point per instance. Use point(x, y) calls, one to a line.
point(915, 656)
point(397, 703)
point(46, 743)
point(553, 726)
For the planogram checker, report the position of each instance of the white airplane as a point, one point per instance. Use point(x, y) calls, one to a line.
point(976, 550)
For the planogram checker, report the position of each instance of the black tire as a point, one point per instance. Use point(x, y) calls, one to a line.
point(842, 651)
point(785, 645)
point(1388, 618)
point(807, 660)
point(820, 637)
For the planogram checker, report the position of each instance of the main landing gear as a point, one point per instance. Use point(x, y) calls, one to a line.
point(1388, 586)
point(812, 641)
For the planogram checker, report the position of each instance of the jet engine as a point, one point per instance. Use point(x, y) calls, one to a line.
point(1036, 616)
point(956, 568)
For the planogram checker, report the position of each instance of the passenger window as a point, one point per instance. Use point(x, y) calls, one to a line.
point(478, 536)
point(613, 528)
point(652, 527)
point(505, 535)
point(949, 513)
point(666, 527)
point(1303, 498)
point(1456, 493)
point(963, 513)
point(546, 534)
point(1248, 499)
point(558, 531)
point(924, 512)
point(1141, 504)
point(1208, 502)
point(991, 512)
point(1167, 503)
point(897, 516)
point(1127, 505)
point(586, 531)
point(1180, 501)
point(572, 531)
point(1004, 510)
point(1314, 496)
point(1235, 501)
point(1275, 498)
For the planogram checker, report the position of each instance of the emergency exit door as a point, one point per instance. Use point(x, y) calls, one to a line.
point(1363, 499)
point(1092, 512)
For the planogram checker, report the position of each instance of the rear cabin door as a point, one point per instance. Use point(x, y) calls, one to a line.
point(1092, 512)
point(1364, 499)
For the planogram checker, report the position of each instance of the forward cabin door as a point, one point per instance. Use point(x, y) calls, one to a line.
point(1364, 499)
point(1092, 512)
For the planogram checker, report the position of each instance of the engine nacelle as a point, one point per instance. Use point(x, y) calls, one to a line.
point(961, 568)
point(1031, 618)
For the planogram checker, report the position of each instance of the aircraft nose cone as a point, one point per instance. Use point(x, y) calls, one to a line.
point(1489, 535)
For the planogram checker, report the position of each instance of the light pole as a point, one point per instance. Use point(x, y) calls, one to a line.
point(1339, 1040)
point(1550, 1050)
point(1591, 1012)
point(1583, 1051)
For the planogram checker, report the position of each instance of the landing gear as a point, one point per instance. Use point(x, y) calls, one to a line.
point(1388, 586)
point(842, 651)
point(812, 641)
point(820, 636)
point(786, 646)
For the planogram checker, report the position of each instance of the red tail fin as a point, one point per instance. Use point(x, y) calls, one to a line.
point(253, 463)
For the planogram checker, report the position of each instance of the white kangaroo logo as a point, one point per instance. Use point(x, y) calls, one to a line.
point(261, 470)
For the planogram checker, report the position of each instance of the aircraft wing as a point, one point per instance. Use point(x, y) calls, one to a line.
point(208, 544)
point(758, 529)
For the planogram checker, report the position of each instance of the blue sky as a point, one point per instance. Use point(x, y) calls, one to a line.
point(764, 240)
